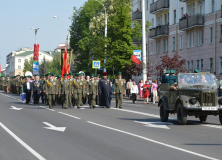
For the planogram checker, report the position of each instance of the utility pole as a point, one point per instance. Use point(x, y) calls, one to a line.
point(144, 41)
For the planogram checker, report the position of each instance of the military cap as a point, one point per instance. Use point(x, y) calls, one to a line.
point(70, 73)
point(76, 74)
point(98, 75)
point(51, 74)
point(196, 71)
point(92, 75)
point(65, 74)
point(108, 77)
point(170, 71)
point(81, 74)
point(119, 73)
point(59, 76)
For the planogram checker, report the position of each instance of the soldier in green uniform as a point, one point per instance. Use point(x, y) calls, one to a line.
point(1, 83)
point(17, 84)
point(119, 89)
point(97, 80)
point(65, 90)
point(51, 90)
point(80, 89)
point(44, 89)
point(43, 93)
point(70, 96)
point(84, 82)
point(8, 84)
point(74, 86)
point(59, 84)
point(92, 91)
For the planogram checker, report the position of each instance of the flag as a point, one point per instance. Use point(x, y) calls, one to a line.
point(65, 67)
point(36, 52)
point(135, 59)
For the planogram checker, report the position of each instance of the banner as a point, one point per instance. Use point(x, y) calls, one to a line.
point(65, 67)
point(36, 52)
point(35, 68)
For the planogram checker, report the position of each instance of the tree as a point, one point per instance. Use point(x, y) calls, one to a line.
point(28, 65)
point(134, 69)
point(54, 65)
point(42, 67)
point(167, 62)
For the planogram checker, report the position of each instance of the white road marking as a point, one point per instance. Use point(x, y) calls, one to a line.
point(213, 126)
point(82, 108)
point(156, 124)
point(61, 129)
point(18, 109)
point(142, 113)
point(47, 108)
point(69, 115)
point(154, 141)
point(22, 142)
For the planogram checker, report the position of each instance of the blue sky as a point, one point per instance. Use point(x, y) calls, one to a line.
point(18, 16)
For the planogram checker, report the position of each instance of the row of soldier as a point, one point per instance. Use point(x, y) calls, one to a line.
point(69, 91)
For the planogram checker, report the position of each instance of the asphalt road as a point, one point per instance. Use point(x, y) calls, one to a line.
point(133, 133)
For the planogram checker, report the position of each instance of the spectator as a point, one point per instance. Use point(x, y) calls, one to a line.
point(146, 92)
point(137, 10)
point(150, 86)
point(140, 86)
point(134, 91)
point(128, 87)
point(154, 90)
point(125, 86)
point(187, 15)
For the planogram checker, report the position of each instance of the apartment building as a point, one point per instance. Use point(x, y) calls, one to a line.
point(16, 59)
point(196, 38)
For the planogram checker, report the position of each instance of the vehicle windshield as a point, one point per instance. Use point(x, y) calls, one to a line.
point(192, 80)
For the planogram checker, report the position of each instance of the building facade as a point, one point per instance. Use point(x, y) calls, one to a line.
point(16, 59)
point(190, 28)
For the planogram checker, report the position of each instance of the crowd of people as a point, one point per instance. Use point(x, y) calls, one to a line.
point(69, 90)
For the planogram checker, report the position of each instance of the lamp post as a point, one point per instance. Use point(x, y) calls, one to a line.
point(36, 30)
point(144, 41)
point(67, 25)
point(104, 70)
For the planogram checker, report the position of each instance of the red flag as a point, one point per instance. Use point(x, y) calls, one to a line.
point(135, 59)
point(36, 52)
point(65, 67)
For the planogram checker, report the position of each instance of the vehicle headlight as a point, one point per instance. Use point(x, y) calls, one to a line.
point(220, 101)
point(193, 100)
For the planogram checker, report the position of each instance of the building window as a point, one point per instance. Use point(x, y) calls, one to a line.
point(174, 16)
point(190, 39)
point(151, 48)
point(158, 47)
point(198, 64)
point(200, 37)
point(220, 65)
point(181, 42)
point(181, 12)
point(19, 67)
point(201, 65)
point(19, 60)
point(213, 5)
point(159, 20)
point(173, 44)
point(152, 23)
point(165, 45)
point(211, 35)
point(221, 33)
point(188, 64)
point(211, 65)
point(166, 17)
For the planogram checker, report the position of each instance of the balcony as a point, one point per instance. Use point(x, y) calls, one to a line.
point(191, 22)
point(159, 31)
point(159, 6)
point(136, 41)
point(137, 15)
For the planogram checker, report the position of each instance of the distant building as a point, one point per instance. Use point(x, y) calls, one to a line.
point(16, 59)
point(61, 46)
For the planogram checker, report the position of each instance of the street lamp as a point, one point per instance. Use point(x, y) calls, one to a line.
point(67, 25)
point(35, 33)
point(105, 29)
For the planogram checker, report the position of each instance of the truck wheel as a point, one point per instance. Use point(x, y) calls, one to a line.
point(220, 118)
point(164, 114)
point(181, 115)
point(203, 118)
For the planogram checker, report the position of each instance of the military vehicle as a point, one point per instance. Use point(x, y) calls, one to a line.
point(194, 95)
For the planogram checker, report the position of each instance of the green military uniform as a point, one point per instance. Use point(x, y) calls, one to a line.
point(97, 97)
point(51, 91)
point(17, 85)
point(119, 89)
point(84, 95)
point(70, 96)
point(74, 85)
point(59, 100)
point(1, 83)
point(65, 90)
point(80, 89)
point(174, 85)
point(44, 85)
point(92, 91)
point(8, 84)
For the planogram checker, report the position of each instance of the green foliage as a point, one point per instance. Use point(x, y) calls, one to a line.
point(28, 65)
point(42, 67)
point(54, 65)
point(87, 34)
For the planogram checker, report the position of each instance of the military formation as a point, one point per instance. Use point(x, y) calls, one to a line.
point(67, 90)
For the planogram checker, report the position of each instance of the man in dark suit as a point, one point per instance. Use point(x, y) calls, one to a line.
point(27, 86)
point(36, 89)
